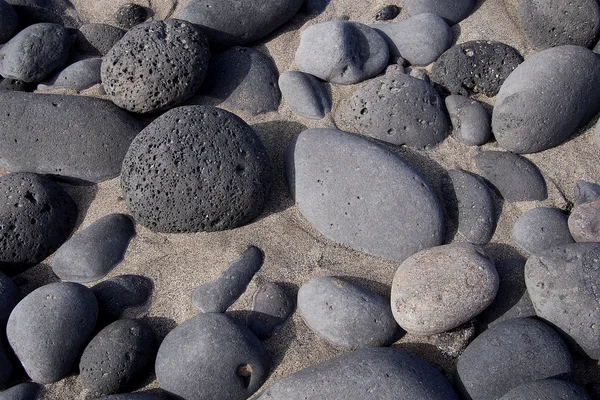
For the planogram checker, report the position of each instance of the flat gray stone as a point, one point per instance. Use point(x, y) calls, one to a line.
point(22, 391)
point(97, 39)
point(584, 222)
point(586, 192)
point(471, 122)
point(8, 21)
point(541, 228)
point(305, 94)
point(271, 307)
point(453, 11)
point(547, 389)
point(78, 76)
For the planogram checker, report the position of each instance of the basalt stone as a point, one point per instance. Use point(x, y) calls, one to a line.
point(584, 222)
point(124, 296)
point(211, 356)
point(341, 52)
point(586, 192)
point(97, 39)
point(155, 65)
point(75, 137)
point(350, 199)
point(471, 122)
point(271, 307)
point(94, 252)
point(50, 327)
point(305, 94)
point(397, 109)
point(233, 22)
point(546, 99)
point(61, 12)
point(453, 11)
point(479, 66)
point(420, 39)
point(16, 85)
point(346, 315)
point(562, 283)
point(36, 217)
point(35, 52)
point(78, 76)
point(541, 228)
point(374, 374)
point(130, 15)
point(510, 354)
point(8, 21)
point(547, 389)
point(9, 297)
point(23, 391)
point(515, 177)
point(387, 13)
point(6, 367)
point(219, 295)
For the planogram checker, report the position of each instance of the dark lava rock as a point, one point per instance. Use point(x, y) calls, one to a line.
point(23, 391)
point(546, 99)
point(271, 307)
point(123, 296)
point(97, 39)
point(509, 354)
point(350, 199)
point(397, 109)
point(387, 13)
point(197, 153)
point(9, 297)
point(8, 21)
point(61, 12)
point(586, 192)
point(77, 76)
point(420, 39)
point(16, 85)
point(132, 396)
point(118, 357)
point(229, 23)
point(36, 217)
point(130, 15)
point(75, 137)
point(584, 222)
point(480, 66)
point(475, 205)
point(50, 327)
point(243, 79)
point(562, 283)
point(219, 295)
point(211, 356)
point(6, 367)
point(341, 52)
point(453, 11)
point(373, 374)
point(155, 65)
point(541, 228)
point(550, 23)
point(515, 177)
point(346, 315)
point(94, 252)
point(35, 52)
point(471, 122)
point(547, 389)
point(305, 94)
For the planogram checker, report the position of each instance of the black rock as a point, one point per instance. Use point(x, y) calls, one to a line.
point(16, 85)
point(23, 391)
point(541, 228)
point(471, 122)
point(305, 94)
point(124, 296)
point(197, 153)
point(9, 297)
point(97, 39)
point(547, 389)
point(8, 21)
point(387, 13)
point(61, 12)
point(586, 192)
point(453, 11)
point(130, 15)
point(6, 367)
point(271, 307)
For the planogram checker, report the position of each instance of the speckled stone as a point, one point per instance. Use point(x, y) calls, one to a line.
point(541, 228)
point(471, 123)
point(130, 15)
point(584, 222)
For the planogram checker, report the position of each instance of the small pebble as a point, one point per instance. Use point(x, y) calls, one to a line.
point(584, 222)
point(78, 76)
point(97, 39)
point(130, 15)
point(471, 123)
point(541, 228)
point(23, 391)
point(387, 13)
point(586, 192)
point(124, 296)
point(305, 94)
point(271, 307)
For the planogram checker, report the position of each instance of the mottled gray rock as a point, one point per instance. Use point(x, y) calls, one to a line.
point(586, 192)
point(124, 296)
point(453, 11)
point(584, 222)
point(341, 52)
point(515, 177)
point(547, 389)
point(74, 137)
point(546, 99)
point(509, 354)
point(35, 52)
point(471, 122)
point(9, 297)
point(346, 315)
point(155, 66)
point(8, 21)
point(397, 109)
point(77, 76)
point(130, 15)
point(373, 374)
point(6, 367)
point(387, 13)
point(420, 39)
point(201, 153)
point(420, 74)
point(350, 199)
point(61, 12)
point(271, 307)
point(97, 39)
point(16, 85)
point(541, 228)
point(305, 94)
point(211, 356)
point(219, 295)
point(23, 391)
point(50, 327)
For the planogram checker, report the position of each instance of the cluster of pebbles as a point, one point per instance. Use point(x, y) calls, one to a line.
point(186, 167)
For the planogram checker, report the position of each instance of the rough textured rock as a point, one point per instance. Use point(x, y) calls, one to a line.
point(9, 297)
point(547, 389)
point(453, 11)
point(515, 177)
point(350, 199)
point(541, 228)
point(124, 296)
point(211, 356)
point(130, 15)
point(341, 52)
point(305, 94)
point(387, 13)
point(586, 192)
point(471, 122)
point(8, 21)
point(345, 314)
point(23, 391)
point(16, 85)
point(201, 153)
point(74, 137)
point(546, 99)
point(78, 76)
point(397, 109)
point(97, 39)
point(374, 374)
point(174, 59)
point(50, 327)
point(509, 354)
point(584, 222)
point(271, 307)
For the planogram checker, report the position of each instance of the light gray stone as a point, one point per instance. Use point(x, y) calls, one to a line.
point(541, 228)
point(78, 76)
point(471, 122)
point(584, 222)
point(305, 94)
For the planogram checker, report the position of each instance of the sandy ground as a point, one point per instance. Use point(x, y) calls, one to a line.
point(295, 252)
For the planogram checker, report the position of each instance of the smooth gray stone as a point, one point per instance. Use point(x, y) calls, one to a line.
point(61, 12)
point(511, 353)
point(396, 109)
point(305, 94)
point(211, 356)
point(546, 99)
point(97, 39)
point(8, 21)
point(541, 228)
point(271, 307)
point(35, 52)
point(471, 122)
point(6, 367)
point(420, 39)
point(584, 222)
point(124, 296)
point(130, 15)
point(341, 52)
point(9, 297)
point(547, 389)
point(345, 314)
point(74, 137)
point(23, 391)
point(78, 76)
point(586, 192)
point(515, 177)
point(350, 199)
point(219, 295)
point(132, 396)
point(50, 327)
point(562, 283)
point(94, 252)
point(366, 374)
point(476, 207)
point(452, 11)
